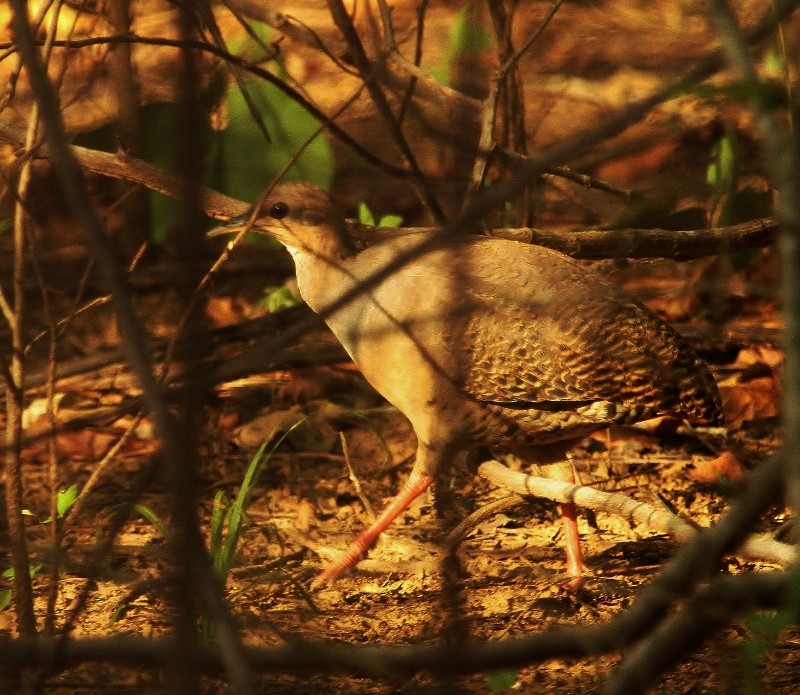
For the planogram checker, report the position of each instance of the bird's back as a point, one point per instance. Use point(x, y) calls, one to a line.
point(532, 339)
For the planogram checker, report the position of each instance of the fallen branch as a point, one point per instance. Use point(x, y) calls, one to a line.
point(755, 547)
point(586, 244)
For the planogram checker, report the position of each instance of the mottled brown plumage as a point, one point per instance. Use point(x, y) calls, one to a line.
point(486, 341)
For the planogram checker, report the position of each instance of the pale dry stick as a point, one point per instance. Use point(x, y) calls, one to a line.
point(354, 478)
point(695, 561)
point(760, 547)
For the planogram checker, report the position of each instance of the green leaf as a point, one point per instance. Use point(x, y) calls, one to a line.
point(33, 570)
point(467, 34)
point(390, 221)
point(712, 174)
point(252, 47)
point(277, 298)
point(502, 680)
point(116, 614)
point(723, 171)
point(65, 498)
point(5, 598)
point(765, 629)
point(150, 516)
point(244, 163)
point(774, 63)
point(220, 515)
point(365, 215)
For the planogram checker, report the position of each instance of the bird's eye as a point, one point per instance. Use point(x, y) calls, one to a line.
point(279, 211)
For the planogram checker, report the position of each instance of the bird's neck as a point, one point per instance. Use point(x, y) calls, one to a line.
point(321, 278)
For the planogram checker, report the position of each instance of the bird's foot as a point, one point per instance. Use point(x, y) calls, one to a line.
point(414, 487)
point(573, 582)
point(355, 553)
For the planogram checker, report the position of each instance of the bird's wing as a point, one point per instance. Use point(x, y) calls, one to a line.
point(513, 359)
point(547, 332)
point(523, 327)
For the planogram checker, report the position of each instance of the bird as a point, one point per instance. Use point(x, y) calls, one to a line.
point(483, 342)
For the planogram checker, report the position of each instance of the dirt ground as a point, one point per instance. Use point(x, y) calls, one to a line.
point(352, 452)
point(306, 506)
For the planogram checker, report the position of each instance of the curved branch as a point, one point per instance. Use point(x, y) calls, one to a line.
point(617, 243)
point(246, 66)
point(589, 244)
point(659, 519)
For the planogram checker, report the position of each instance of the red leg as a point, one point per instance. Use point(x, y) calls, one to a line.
point(413, 488)
point(572, 543)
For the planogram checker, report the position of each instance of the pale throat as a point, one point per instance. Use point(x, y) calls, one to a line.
point(320, 279)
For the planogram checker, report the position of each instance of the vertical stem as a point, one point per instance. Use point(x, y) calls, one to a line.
point(15, 405)
point(782, 157)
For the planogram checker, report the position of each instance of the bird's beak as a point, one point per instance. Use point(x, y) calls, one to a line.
point(233, 226)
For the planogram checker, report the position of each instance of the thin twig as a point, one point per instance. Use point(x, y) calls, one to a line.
point(694, 561)
point(345, 24)
point(354, 478)
point(245, 65)
point(175, 444)
point(783, 162)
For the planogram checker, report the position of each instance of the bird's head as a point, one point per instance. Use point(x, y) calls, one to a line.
point(300, 216)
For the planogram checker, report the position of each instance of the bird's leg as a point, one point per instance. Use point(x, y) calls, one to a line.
point(572, 543)
point(416, 484)
point(555, 461)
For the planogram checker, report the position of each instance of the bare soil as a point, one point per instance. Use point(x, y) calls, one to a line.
point(306, 507)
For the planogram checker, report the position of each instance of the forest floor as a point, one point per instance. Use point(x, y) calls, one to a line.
point(306, 507)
